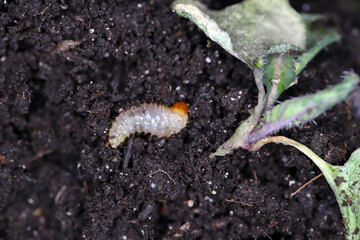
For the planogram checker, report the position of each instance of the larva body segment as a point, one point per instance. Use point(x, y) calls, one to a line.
point(155, 119)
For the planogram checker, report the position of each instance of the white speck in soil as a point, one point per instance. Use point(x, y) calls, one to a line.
point(161, 142)
point(291, 182)
point(153, 185)
point(139, 5)
point(3, 58)
point(208, 60)
point(190, 203)
point(207, 198)
point(91, 30)
point(226, 174)
point(30, 201)
point(186, 81)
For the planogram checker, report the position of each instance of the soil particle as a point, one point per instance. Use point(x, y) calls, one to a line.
point(60, 179)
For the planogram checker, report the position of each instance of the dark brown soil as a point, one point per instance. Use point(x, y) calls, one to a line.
point(60, 179)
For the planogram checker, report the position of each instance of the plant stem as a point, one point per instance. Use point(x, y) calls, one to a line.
point(240, 137)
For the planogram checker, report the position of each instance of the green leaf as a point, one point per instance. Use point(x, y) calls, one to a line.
point(279, 74)
point(317, 38)
point(303, 109)
point(249, 29)
point(345, 182)
point(316, 42)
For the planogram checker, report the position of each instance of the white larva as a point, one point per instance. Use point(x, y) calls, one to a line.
point(155, 119)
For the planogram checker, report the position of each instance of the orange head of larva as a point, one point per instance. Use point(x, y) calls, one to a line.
point(180, 107)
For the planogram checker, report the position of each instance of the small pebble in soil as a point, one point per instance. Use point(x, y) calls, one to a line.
point(207, 198)
point(190, 203)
